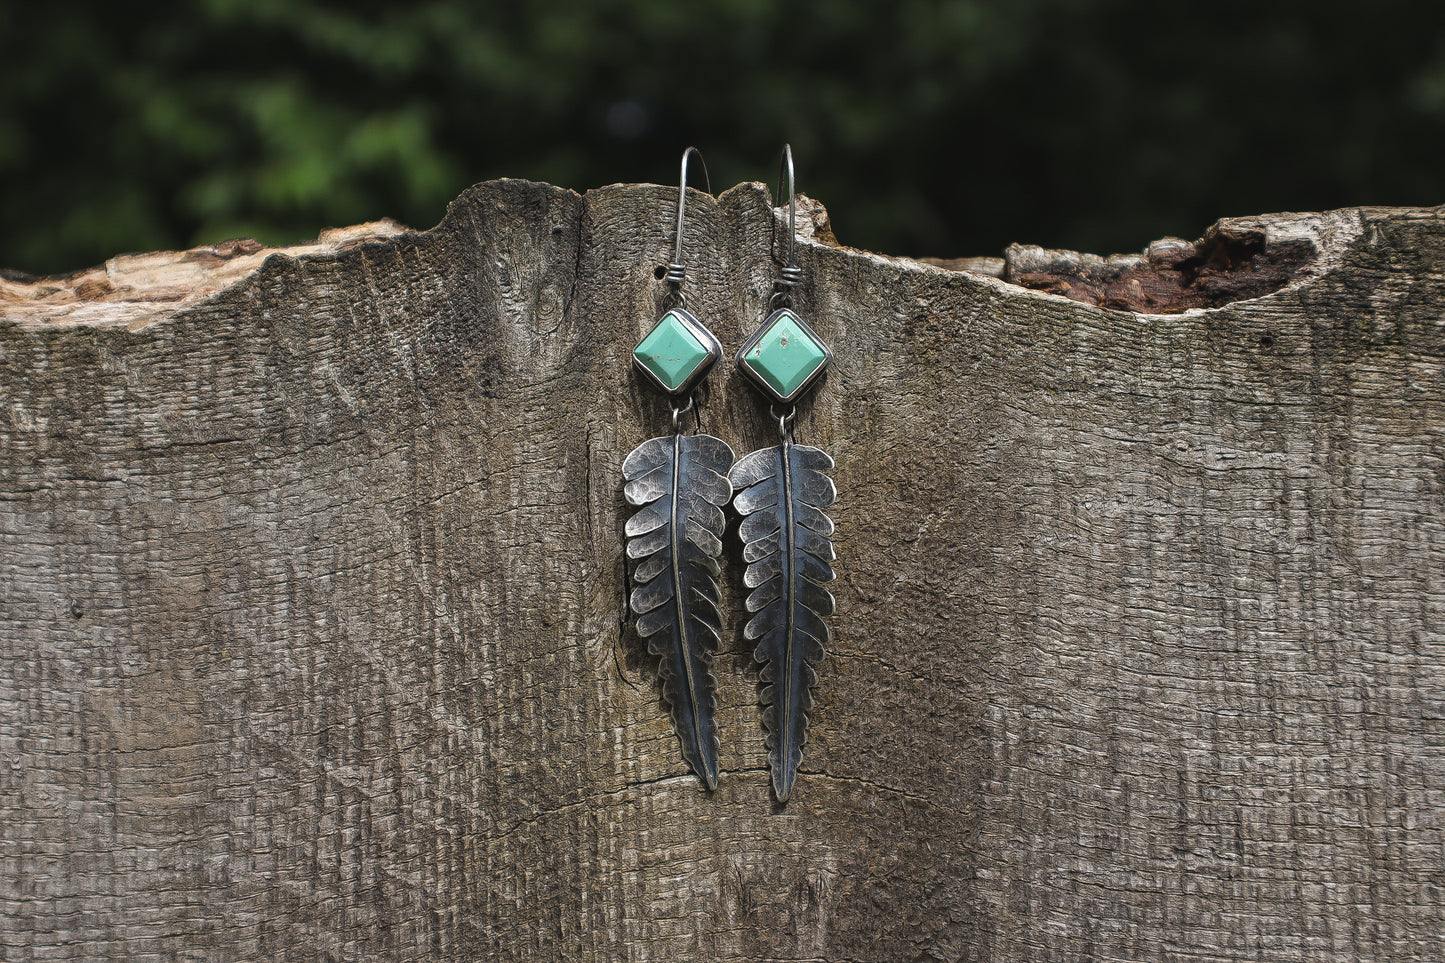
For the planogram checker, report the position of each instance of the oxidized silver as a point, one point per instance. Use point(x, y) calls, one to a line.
point(680, 485)
point(781, 494)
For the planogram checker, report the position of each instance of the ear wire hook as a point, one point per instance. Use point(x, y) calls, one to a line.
point(676, 274)
point(791, 274)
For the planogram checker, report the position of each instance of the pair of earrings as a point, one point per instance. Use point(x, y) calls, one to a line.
point(681, 483)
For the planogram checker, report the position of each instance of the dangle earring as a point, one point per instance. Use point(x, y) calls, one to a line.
point(781, 494)
point(679, 483)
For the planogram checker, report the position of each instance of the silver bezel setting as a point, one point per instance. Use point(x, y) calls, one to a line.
point(761, 382)
point(705, 337)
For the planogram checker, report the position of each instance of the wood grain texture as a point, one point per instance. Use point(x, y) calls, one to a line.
point(313, 633)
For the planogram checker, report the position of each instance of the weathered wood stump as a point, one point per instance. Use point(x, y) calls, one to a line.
point(313, 632)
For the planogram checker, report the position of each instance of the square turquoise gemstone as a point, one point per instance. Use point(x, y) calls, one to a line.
point(677, 352)
point(784, 357)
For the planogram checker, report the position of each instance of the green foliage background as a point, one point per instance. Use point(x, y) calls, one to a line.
point(943, 127)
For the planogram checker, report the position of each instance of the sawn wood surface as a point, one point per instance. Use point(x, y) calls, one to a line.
point(314, 641)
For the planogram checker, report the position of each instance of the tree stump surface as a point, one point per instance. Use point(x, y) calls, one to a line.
point(313, 627)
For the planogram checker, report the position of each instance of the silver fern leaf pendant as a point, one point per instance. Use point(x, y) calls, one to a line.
point(680, 485)
point(781, 494)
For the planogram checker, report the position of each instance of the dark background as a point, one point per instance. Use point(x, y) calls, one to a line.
point(927, 127)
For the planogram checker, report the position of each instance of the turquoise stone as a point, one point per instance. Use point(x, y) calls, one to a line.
point(785, 354)
point(671, 352)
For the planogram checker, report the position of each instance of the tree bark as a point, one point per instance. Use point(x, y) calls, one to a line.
point(313, 627)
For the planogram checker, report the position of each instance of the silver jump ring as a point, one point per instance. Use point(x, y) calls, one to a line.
point(677, 414)
point(785, 419)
